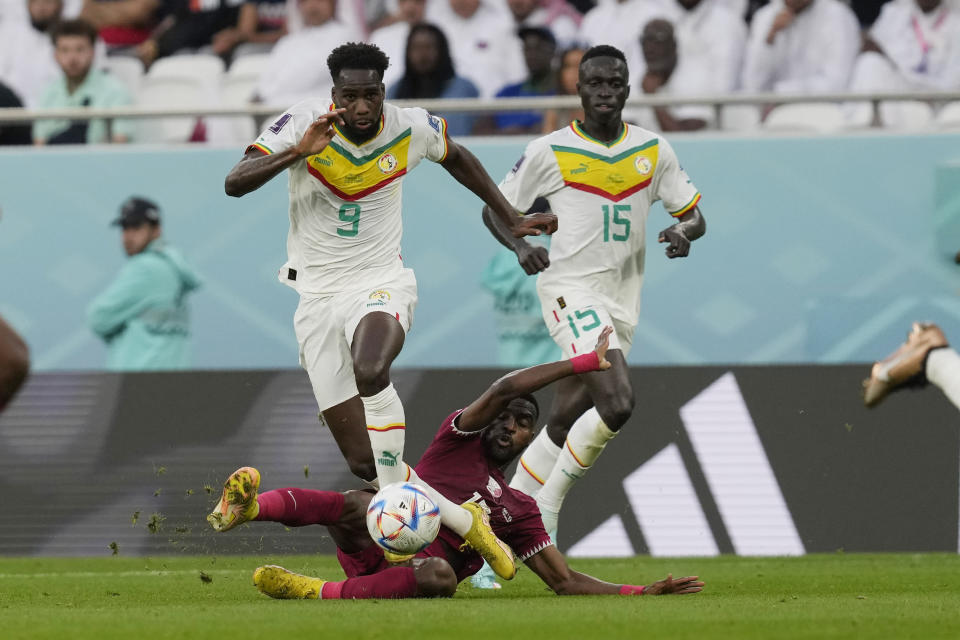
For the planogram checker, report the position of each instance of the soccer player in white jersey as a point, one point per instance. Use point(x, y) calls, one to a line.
point(600, 177)
point(347, 161)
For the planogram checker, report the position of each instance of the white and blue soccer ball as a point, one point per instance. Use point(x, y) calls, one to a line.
point(402, 518)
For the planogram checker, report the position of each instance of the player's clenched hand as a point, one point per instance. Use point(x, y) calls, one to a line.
point(603, 343)
point(532, 259)
point(679, 245)
point(319, 133)
point(674, 586)
point(535, 224)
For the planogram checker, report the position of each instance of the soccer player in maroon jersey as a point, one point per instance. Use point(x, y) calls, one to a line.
point(465, 463)
point(14, 363)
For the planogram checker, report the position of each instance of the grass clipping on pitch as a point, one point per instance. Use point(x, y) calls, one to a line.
point(817, 596)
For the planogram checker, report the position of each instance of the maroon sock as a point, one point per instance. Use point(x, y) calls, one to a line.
point(300, 507)
point(395, 582)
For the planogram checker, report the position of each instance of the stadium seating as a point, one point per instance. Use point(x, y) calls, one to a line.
point(814, 118)
point(128, 70)
point(158, 93)
point(949, 117)
point(739, 117)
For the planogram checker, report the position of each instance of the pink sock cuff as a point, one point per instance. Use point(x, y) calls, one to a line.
point(331, 590)
point(632, 590)
point(586, 363)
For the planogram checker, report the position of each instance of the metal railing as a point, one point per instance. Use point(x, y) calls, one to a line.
point(479, 105)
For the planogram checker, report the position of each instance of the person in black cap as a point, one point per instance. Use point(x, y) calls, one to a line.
point(539, 52)
point(143, 315)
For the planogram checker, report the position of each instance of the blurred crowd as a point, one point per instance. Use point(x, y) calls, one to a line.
point(71, 53)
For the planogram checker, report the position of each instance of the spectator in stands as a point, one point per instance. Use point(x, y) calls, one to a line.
point(27, 65)
point(484, 44)
point(558, 16)
point(539, 52)
point(296, 70)
point(665, 74)
point(80, 85)
point(913, 46)
point(123, 24)
point(260, 24)
point(568, 75)
point(392, 39)
point(710, 36)
point(143, 315)
point(619, 23)
point(12, 133)
point(429, 73)
point(801, 46)
point(192, 26)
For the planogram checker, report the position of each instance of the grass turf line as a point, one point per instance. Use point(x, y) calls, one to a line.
point(817, 596)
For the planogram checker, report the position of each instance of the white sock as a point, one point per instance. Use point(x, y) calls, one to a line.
point(585, 442)
point(386, 427)
point(452, 515)
point(535, 464)
point(943, 370)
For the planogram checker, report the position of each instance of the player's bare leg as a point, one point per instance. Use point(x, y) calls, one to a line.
point(586, 438)
point(906, 366)
point(347, 423)
point(377, 341)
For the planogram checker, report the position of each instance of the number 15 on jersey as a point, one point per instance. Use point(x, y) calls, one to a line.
point(616, 227)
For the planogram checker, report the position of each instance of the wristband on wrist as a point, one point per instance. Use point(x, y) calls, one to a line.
point(632, 590)
point(586, 363)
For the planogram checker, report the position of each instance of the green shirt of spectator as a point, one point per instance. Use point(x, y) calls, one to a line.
point(80, 86)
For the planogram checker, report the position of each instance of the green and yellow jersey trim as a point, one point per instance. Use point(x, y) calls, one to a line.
point(351, 177)
point(612, 177)
point(261, 147)
point(687, 207)
point(575, 125)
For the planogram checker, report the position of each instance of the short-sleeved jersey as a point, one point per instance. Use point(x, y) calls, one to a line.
point(601, 194)
point(456, 465)
point(345, 223)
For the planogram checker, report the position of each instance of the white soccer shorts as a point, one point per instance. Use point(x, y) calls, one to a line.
point(325, 327)
point(575, 319)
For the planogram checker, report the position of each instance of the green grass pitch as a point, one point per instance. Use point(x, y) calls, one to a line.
point(816, 596)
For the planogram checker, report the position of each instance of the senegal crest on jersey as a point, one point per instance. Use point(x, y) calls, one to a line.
point(613, 177)
point(350, 177)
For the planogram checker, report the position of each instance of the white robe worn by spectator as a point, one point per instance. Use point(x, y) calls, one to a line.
point(688, 78)
point(392, 40)
point(485, 49)
point(297, 68)
point(16, 10)
point(815, 54)
point(563, 27)
point(921, 50)
point(27, 64)
point(619, 24)
point(712, 37)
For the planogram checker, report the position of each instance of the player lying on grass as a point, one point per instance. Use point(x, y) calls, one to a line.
point(464, 462)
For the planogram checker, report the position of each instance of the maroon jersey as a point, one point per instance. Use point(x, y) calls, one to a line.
point(456, 465)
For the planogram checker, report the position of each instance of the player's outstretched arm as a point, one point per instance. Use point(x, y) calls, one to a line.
point(495, 399)
point(468, 171)
point(256, 169)
point(532, 259)
point(690, 226)
point(550, 565)
point(14, 362)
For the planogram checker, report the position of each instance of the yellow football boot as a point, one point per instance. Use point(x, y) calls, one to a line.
point(481, 539)
point(279, 583)
point(238, 504)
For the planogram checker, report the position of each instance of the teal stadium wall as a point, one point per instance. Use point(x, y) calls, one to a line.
point(818, 250)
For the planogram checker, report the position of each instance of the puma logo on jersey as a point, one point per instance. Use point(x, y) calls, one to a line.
point(581, 169)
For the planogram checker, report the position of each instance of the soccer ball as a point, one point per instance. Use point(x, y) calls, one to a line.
point(402, 518)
